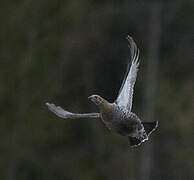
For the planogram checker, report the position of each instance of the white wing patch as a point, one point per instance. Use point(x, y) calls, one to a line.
point(125, 96)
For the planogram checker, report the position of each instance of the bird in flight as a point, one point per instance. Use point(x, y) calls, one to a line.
point(117, 116)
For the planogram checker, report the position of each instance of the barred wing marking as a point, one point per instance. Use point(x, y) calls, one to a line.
point(60, 112)
point(125, 96)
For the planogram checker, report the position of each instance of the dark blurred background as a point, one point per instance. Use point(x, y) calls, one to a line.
point(64, 51)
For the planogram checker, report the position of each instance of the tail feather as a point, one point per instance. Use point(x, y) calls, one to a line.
point(134, 141)
point(150, 126)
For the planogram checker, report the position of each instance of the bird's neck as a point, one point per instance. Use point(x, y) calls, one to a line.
point(105, 106)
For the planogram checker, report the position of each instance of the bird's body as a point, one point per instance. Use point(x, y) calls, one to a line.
point(123, 122)
point(118, 119)
point(117, 116)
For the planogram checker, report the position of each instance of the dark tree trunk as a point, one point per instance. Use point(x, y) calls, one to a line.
point(146, 164)
point(11, 169)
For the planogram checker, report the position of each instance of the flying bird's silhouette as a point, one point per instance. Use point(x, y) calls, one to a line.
point(117, 116)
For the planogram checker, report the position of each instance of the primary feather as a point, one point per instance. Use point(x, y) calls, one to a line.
point(60, 112)
point(125, 96)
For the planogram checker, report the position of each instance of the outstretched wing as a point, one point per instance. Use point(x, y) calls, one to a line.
point(125, 95)
point(68, 115)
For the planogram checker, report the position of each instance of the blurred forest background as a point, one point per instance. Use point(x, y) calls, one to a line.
point(64, 51)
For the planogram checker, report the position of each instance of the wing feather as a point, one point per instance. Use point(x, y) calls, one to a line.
point(125, 96)
point(60, 112)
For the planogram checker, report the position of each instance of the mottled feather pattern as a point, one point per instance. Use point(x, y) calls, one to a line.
point(117, 116)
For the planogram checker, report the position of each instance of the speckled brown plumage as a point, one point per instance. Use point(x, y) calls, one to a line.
point(117, 116)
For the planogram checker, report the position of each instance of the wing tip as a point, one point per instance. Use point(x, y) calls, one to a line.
point(128, 37)
point(130, 40)
point(134, 50)
point(50, 105)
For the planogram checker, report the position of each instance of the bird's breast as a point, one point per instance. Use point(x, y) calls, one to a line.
point(120, 121)
point(110, 115)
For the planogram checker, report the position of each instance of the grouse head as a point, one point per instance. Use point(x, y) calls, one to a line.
point(96, 99)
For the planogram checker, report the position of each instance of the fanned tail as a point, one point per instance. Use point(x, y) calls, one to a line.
point(150, 126)
point(133, 142)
